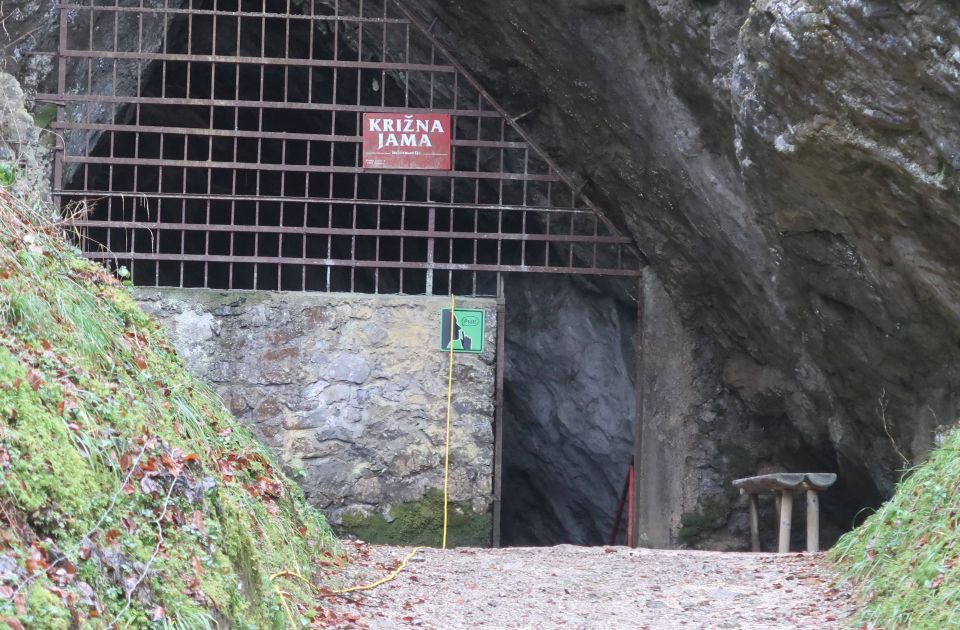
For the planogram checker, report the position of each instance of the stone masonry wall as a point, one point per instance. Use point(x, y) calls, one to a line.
point(350, 390)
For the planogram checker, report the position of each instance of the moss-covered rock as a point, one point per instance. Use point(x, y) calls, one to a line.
point(421, 523)
point(711, 516)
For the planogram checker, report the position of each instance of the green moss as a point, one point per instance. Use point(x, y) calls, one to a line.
point(62, 481)
point(905, 559)
point(45, 612)
point(90, 393)
point(421, 523)
point(711, 516)
point(44, 115)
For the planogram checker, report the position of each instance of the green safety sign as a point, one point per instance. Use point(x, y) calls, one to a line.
point(467, 331)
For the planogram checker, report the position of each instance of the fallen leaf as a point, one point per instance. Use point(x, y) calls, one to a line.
point(173, 467)
point(37, 559)
point(34, 379)
point(196, 519)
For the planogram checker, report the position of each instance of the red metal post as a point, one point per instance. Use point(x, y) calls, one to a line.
point(630, 523)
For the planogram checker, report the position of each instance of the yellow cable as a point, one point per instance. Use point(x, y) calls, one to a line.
point(363, 587)
point(280, 594)
point(446, 457)
point(392, 576)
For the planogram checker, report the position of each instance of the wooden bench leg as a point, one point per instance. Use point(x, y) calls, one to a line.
point(813, 521)
point(786, 515)
point(754, 523)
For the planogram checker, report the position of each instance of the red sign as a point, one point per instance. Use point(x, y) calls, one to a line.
point(406, 141)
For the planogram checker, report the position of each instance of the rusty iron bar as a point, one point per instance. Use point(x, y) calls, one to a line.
point(309, 230)
point(334, 262)
point(255, 104)
point(259, 61)
point(142, 195)
point(269, 135)
point(297, 168)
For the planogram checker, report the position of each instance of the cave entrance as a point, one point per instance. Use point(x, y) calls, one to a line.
point(219, 145)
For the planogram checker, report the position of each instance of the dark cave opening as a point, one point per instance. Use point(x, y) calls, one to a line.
point(570, 409)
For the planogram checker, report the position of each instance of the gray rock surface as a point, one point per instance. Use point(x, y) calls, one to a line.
point(347, 389)
point(23, 148)
point(569, 403)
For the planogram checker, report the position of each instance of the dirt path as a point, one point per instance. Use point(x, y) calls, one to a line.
point(592, 587)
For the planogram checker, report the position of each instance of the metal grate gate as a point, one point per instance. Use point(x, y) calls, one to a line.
point(219, 142)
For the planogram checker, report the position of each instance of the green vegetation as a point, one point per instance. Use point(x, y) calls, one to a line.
point(421, 524)
point(8, 175)
point(905, 559)
point(129, 497)
point(712, 516)
point(43, 115)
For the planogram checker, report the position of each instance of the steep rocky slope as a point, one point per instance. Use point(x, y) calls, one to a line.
point(129, 497)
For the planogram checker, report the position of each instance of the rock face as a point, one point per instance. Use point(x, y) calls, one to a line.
point(790, 170)
point(22, 147)
point(569, 402)
point(347, 389)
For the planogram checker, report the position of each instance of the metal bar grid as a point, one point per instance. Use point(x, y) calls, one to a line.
point(219, 142)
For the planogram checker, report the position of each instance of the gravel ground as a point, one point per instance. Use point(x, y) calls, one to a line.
point(588, 587)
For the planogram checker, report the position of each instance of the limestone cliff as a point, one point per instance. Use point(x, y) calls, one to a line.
point(790, 170)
